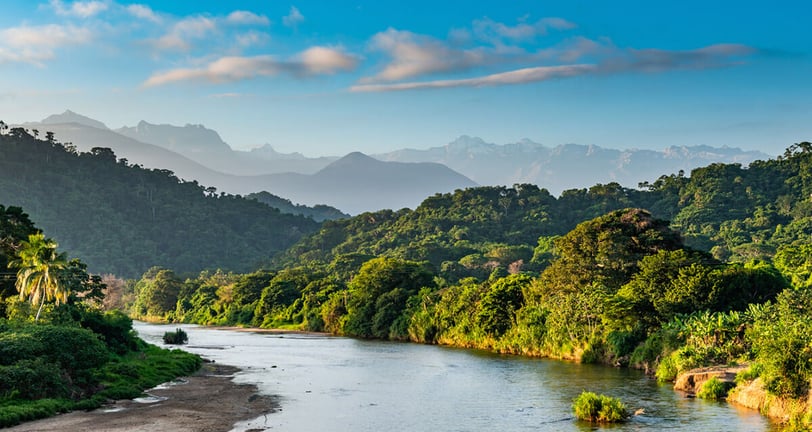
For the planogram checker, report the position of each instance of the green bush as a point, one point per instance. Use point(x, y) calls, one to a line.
point(782, 341)
point(114, 327)
point(33, 379)
point(32, 351)
point(178, 337)
point(666, 370)
point(597, 408)
point(714, 389)
point(749, 374)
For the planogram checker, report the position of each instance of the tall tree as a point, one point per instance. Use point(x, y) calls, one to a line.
point(38, 276)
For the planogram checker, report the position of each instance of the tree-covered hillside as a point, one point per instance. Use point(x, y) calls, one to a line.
point(123, 219)
point(590, 276)
point(736, 213)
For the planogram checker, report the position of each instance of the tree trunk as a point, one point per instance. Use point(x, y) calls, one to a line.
point(39, 311)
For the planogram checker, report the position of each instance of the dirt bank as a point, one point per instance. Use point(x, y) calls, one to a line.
point(208, 401)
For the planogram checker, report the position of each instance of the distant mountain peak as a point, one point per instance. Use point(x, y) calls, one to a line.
point(268, 152)
point(192, 138)
point(357, 156)
point(71, 117)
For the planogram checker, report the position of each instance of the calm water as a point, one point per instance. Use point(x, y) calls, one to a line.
point(339, 384)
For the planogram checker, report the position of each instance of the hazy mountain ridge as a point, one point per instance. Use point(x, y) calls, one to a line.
point(567, 166)
point(354, 184)
point(71, 117)
point(358, 183)
point(194, 152)
point(206, 147)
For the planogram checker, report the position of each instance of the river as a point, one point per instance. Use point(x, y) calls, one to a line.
point(339, 384)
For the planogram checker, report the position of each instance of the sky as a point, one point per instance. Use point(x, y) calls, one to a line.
point(332, 77)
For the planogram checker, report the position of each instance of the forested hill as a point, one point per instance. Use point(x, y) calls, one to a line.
point(123, 219)
point(736, 213)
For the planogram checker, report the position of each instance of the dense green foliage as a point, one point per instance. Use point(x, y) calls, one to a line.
point(595, 408)
point(620, 288)
point(65, 365)
point(76, 356)
point(123, 219)
point(590, 276)
point(15, 227)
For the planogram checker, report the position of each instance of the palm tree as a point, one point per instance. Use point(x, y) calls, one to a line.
point(38, 275)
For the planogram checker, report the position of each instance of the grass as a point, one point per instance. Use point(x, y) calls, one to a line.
point(714, 389)
point(123, 377)
point(595, 408)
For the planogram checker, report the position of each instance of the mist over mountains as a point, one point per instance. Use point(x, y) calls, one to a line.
point(357, 183)
point(567, 166)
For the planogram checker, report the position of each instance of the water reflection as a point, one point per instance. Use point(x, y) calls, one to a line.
point(339, 384)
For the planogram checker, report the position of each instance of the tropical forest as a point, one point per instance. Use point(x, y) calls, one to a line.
point(687, 271)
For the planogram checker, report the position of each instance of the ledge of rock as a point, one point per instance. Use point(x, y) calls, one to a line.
point(692, 380)
point(753, 395)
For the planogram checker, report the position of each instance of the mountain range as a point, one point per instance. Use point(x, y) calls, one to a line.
point(357, 183)
point(354, 184)
point(567, 166)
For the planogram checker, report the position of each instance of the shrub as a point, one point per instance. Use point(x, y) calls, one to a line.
point(114, 327)
point(714, 389)
point(597, 408)
point(782, 340)
point(33, 379)
point(749, 374)
point(178, 337)
point(666, 370)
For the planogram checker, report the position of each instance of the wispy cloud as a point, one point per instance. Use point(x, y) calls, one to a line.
point(414, 55)
point(293, 18)
point(181, 33)
point(520, 76)
point(252, 38)
point(489, 30)
point(313, 61)
point(489, 46)
point(658, 60)
point(184, 34)
point(36, 44)
point(143, 12)
point(241, 17)
point(82, 9)
point(614, 61)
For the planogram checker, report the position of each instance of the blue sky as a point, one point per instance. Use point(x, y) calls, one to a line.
point(330, 77)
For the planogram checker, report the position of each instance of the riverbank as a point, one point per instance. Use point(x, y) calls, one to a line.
point(750, 394)
point(207, 401)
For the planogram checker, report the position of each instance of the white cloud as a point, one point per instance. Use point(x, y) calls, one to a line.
point(492, 31)
point(414, 55)
point(35, 44)
point(82, 9)
point(313, 61)
point(325, 61)
point(520, 76)
point(252, 38)
point(294, 18)
point(241, 17)
point(182, 32)
point(143, 12)
point(609, 60)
